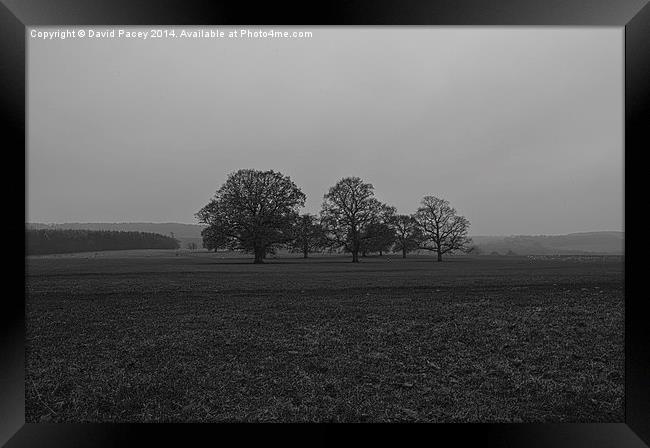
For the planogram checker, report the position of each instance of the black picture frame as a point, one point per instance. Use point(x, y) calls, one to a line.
point(17, 15)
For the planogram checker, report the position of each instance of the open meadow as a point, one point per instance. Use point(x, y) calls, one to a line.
point(166, 335)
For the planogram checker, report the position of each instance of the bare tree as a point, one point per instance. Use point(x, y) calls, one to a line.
point(308, 235)
point(442, 230)
point(379, 236)
point(212, 239)
point(407, 236)
point(348, 208)
point(253, 211)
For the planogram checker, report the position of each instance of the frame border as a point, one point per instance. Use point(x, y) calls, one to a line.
point(633, 15)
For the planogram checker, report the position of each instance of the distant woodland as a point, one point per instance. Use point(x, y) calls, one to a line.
point(49, 241)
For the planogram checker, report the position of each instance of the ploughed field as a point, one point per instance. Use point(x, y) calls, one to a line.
point(147, 336)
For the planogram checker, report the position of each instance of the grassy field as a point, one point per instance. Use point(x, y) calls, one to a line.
point(179, 336)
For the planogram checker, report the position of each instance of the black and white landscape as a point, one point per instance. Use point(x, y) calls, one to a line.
point(366, 225)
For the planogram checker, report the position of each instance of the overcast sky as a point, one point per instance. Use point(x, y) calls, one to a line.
point(521, 129)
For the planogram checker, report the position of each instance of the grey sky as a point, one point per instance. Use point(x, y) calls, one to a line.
point(520, 128)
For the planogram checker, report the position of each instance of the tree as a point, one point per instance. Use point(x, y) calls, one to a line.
point(407, 236)
point(253, 211)
point(348, 208)
point(378, 237)
point(442, 230)
point(308, 235)
point(212, 240)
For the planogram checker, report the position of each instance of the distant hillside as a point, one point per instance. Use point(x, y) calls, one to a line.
point(571, 244)
point(610, 242)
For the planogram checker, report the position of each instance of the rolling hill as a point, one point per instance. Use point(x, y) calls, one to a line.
point(609, 242)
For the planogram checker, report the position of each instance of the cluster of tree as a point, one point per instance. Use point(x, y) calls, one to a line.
point(258, 212)
point(48, 241)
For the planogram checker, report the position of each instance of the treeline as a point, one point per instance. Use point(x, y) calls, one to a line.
point(47, 241)
point(258, 212)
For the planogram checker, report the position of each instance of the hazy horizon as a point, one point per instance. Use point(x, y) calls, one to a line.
point(198, 224)
point(520, 129)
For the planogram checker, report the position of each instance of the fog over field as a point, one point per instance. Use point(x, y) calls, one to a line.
point(521, 129)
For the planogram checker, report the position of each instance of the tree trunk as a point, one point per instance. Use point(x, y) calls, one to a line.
point(305, 253)
point(439, 256)
point(381, 254)
point(259, 255)
point(355, 249)
point(403, 253)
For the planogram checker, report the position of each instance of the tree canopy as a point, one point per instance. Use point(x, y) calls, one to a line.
point(308, 235)
point(349, 207)
point(253, 211)
point(442, 230)
point(407, 236)
point(379, 235)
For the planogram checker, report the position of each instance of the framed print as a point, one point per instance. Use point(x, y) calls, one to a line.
point(358, 212)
